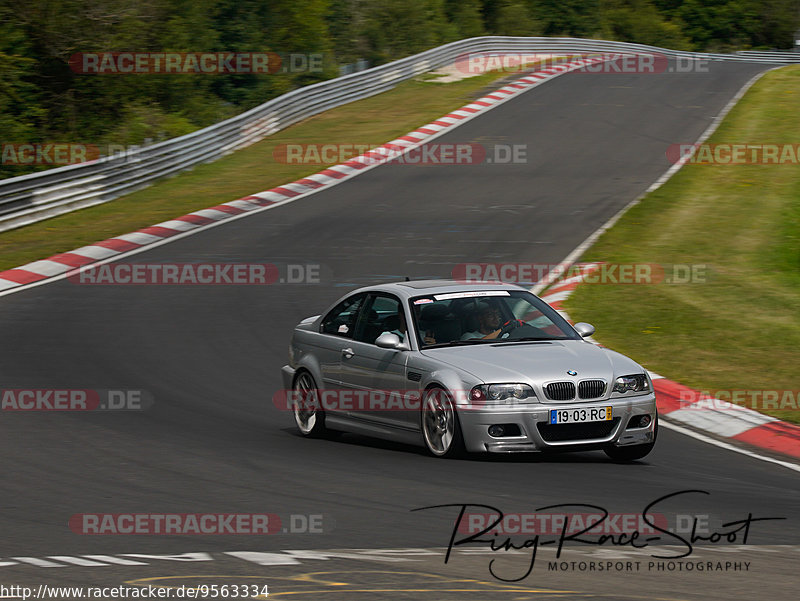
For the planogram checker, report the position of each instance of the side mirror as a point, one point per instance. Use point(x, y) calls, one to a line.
point(584, 329)
point(388, 340)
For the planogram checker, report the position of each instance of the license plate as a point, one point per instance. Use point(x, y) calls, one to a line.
point(580, 415)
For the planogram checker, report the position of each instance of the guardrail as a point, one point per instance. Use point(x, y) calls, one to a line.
point(30, 198)
point(786, 56)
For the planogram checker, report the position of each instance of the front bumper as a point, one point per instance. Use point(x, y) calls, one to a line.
point(287, 373)
point(475, 425)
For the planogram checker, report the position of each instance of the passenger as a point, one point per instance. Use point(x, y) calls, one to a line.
point(400, 330)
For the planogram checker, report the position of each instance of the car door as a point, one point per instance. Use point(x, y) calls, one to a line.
point(335, 338)
point(378, 374)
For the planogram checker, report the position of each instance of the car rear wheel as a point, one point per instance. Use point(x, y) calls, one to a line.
point(308, 415)
point(634, 452)
point(440, 427)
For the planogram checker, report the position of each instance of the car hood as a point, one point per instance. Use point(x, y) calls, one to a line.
point(535, 362)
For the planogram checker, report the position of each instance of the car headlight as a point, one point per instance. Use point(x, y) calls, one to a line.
point(633, 383)
point(502, 392)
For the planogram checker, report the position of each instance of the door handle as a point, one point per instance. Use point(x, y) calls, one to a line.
point(347, 352)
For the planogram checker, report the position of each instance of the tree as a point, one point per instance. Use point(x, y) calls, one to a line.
point(466, 16)
point(513, 18)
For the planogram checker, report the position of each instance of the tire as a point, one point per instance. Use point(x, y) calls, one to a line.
point(308, 416)
point(634, 452)
point(441, 429)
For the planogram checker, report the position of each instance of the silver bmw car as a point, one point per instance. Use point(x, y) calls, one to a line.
point(481, 367)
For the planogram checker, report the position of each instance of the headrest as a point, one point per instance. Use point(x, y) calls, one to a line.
point(434, 312)
point(392, 322)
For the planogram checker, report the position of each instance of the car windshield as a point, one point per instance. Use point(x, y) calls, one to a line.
point(486, 316)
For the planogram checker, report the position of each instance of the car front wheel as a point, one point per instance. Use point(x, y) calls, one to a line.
point(440, 427)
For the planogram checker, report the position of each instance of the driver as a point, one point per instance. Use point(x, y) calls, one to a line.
point(489, 324)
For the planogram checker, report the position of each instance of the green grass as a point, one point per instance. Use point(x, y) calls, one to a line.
point(741, 329)
point(372, 121)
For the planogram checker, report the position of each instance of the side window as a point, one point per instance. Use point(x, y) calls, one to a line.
point(341, 320)
point(381, 314)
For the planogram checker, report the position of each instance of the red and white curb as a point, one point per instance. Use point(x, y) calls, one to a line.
point(678, 403)
point(59, 265)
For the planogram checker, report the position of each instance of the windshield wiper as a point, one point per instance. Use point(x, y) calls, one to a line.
point(528, 339)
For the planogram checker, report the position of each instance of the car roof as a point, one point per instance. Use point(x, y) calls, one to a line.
point(424, 287)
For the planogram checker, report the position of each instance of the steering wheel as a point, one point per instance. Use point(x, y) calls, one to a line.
point(519, 329)
point(510, 326)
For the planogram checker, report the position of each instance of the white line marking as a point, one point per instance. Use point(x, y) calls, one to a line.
point(39, 563)
point(296, 557)
point(176, 557)
point(77, 561)
point(726, 446)
point(264, 559)
point(116, 560)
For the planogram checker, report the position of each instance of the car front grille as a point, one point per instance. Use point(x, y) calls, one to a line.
point(560, 391)
point(576, 432)
point(591, 389)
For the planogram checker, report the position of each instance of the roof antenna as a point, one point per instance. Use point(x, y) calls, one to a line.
point(408, 279)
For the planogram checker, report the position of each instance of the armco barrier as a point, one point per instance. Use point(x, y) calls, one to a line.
point(31, 198)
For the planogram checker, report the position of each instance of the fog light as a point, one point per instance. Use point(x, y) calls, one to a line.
point(639, 421)
point(496, 431)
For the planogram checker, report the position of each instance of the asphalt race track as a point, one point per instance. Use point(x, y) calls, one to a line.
point(210, 356)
